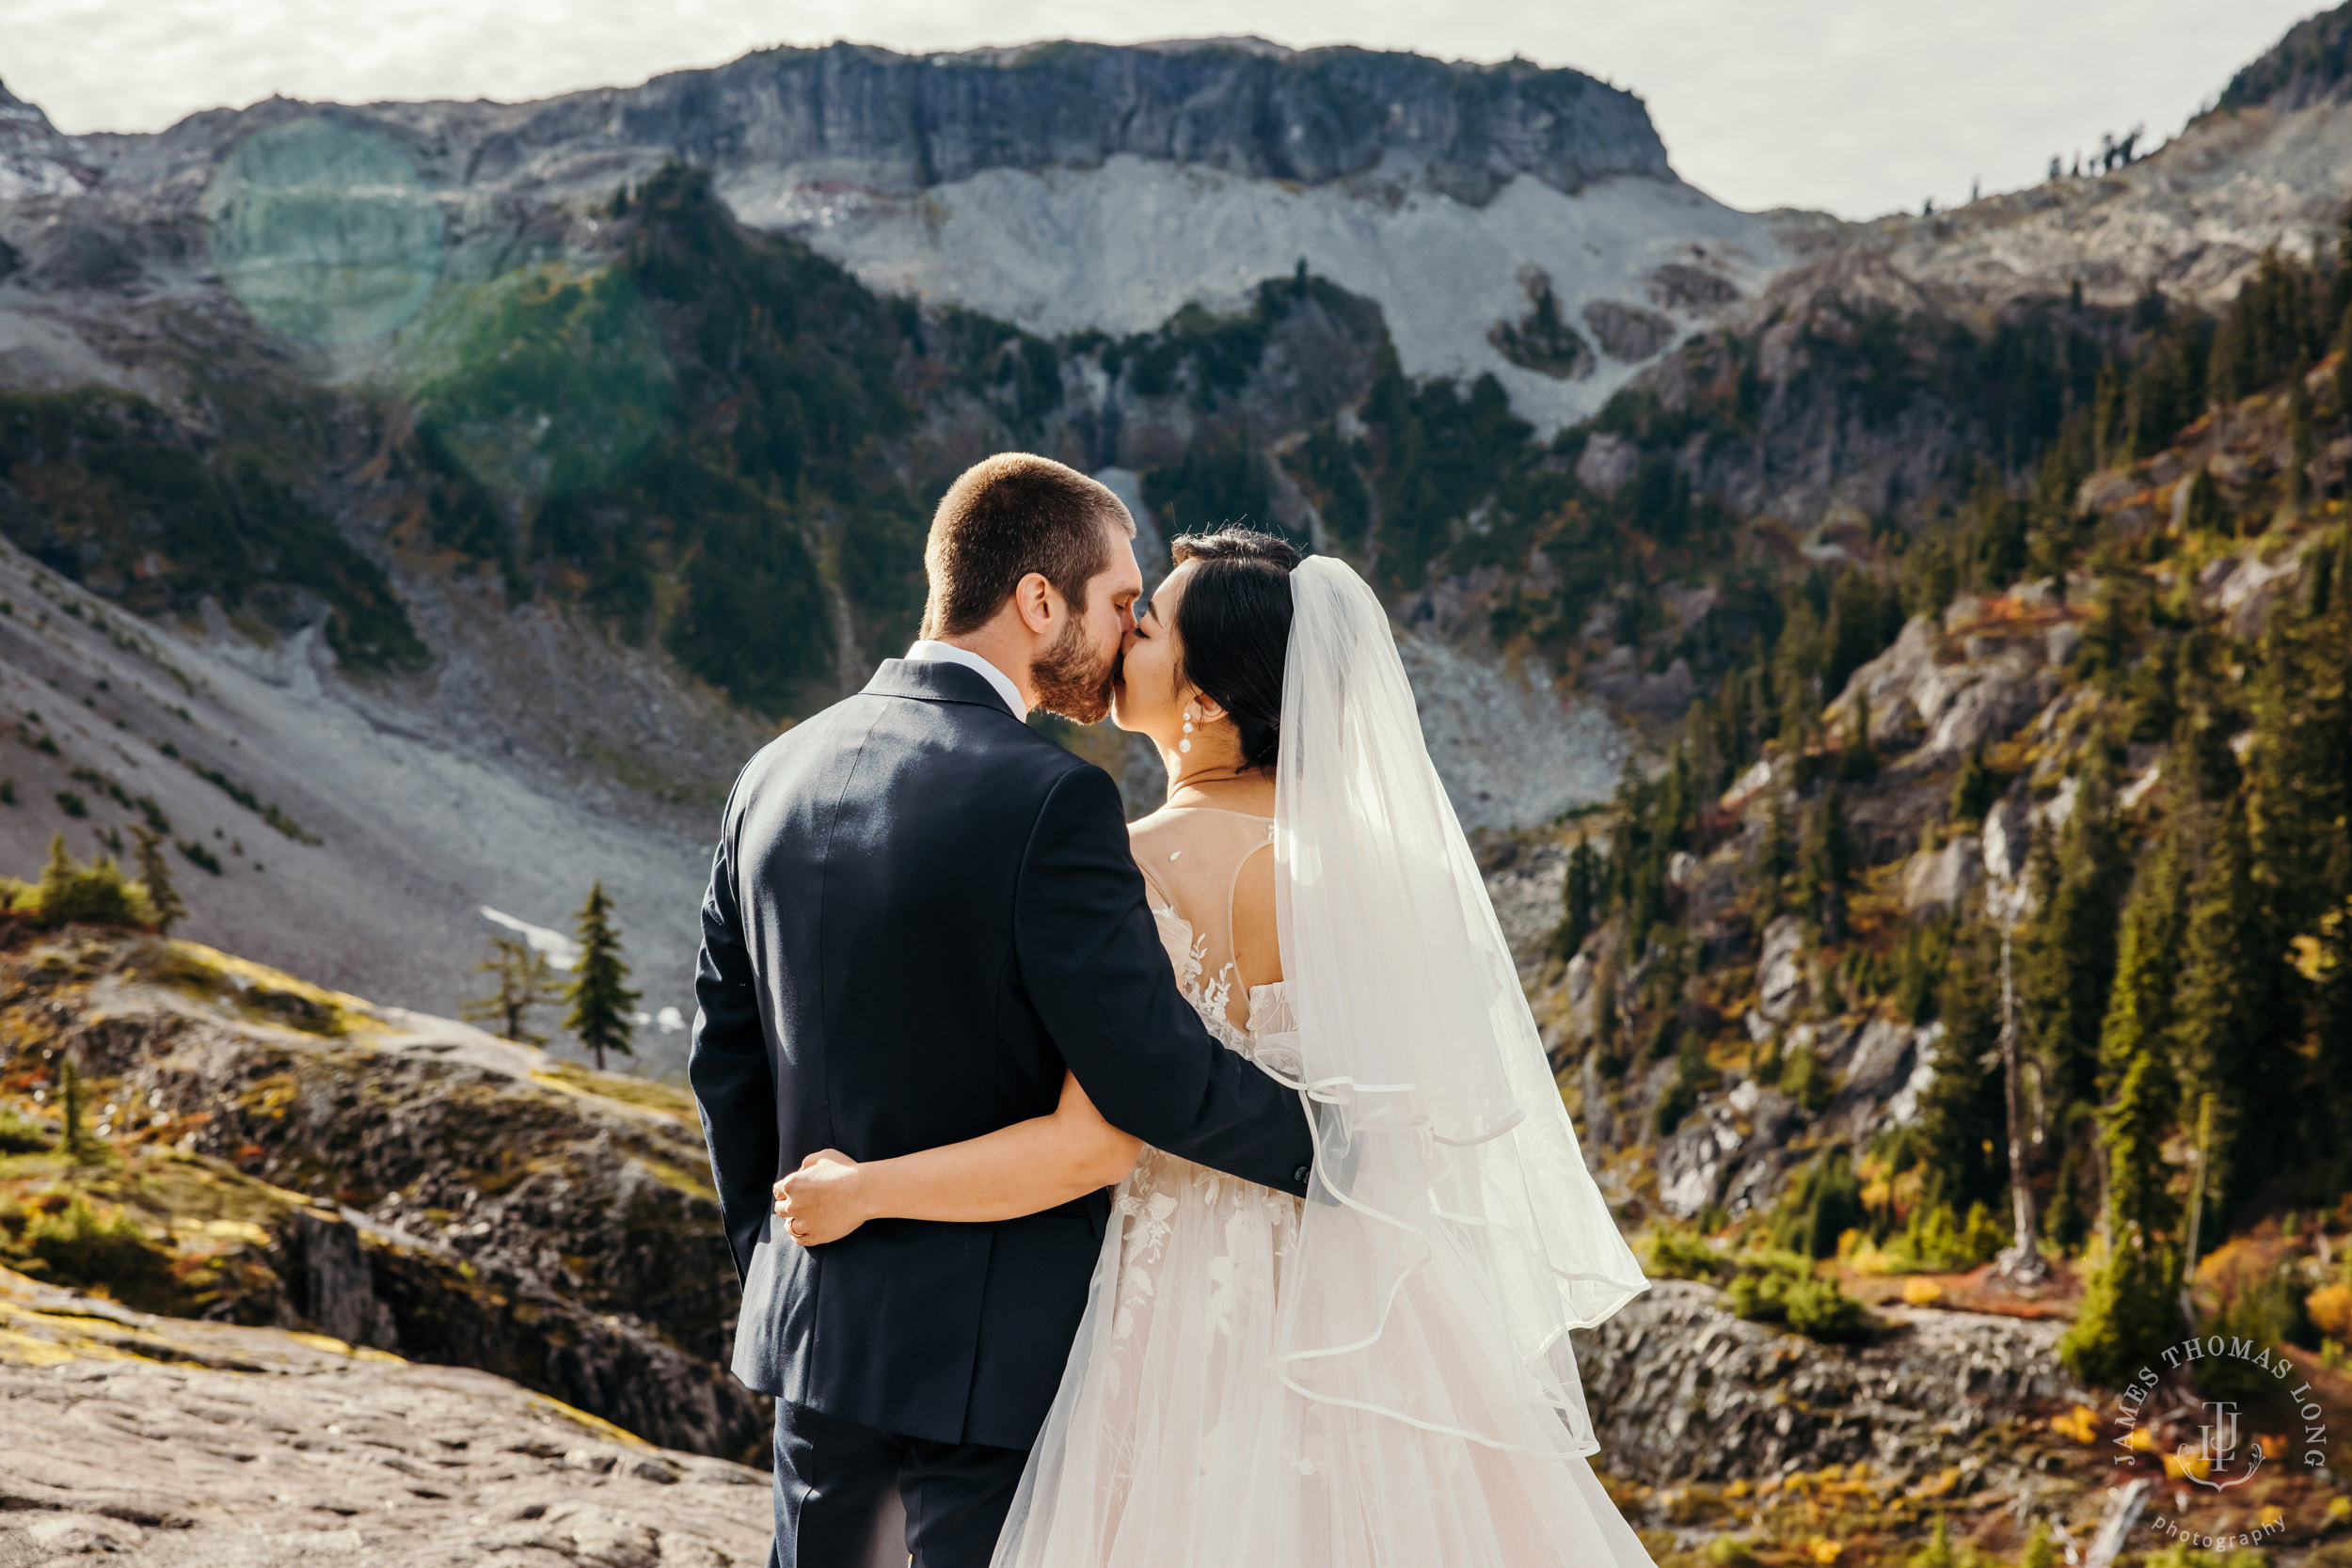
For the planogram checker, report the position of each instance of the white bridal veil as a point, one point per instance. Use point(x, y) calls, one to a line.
point(1453, 1220)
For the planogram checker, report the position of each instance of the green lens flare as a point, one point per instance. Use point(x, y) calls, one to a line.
point(325, 231)
point(544, 380)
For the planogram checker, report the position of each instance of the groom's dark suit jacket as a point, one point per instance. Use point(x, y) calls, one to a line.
point(921, 912)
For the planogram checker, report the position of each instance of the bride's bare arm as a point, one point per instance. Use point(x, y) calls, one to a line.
point(1021, 1169)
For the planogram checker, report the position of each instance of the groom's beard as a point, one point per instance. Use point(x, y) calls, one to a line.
point(1072, 680)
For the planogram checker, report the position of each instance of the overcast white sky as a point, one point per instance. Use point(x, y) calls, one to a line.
point(1858, 107)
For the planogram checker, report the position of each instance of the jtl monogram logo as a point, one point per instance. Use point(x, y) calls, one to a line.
point(2208, 1463)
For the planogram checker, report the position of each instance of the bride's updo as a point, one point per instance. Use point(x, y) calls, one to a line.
point(1234, 627)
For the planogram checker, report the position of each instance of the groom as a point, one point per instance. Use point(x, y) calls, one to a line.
point(921, 912)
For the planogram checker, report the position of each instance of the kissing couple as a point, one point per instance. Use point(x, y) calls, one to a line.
point(1187, 1194)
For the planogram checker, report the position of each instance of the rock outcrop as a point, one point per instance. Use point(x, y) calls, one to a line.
point(1682, 1390)
point(902, 123)
point(286, 1156)
point(1946, 692)
point(194, 1445)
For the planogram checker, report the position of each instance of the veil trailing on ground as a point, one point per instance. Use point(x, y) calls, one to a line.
point(1452, 1216)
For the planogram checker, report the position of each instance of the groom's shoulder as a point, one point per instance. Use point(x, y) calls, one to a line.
point(897, 735)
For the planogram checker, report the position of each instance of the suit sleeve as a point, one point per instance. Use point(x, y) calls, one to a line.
point(1097, 974)
point(727, 1064)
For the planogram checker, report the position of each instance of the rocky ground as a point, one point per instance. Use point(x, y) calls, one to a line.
point(1730, 1442)
point(1681, 1390)
point(265, 1153)
point(173, 1442)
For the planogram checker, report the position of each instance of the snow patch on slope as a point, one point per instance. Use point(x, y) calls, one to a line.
point(1121, 248)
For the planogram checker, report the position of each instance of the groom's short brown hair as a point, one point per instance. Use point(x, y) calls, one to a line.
point(1008, 516)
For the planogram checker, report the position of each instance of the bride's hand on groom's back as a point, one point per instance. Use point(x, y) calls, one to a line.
point(819, 1202)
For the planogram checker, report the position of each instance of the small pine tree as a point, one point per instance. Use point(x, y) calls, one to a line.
point(1972, 790)
point(1580, 901)
point(162, 899)
point(2299, 442)
point(2066, 953)
point(1777, 860)
point(599, 996)
point(2226, 1036)
point(2344, 361)
point(1826, 863)
point(1938, 1551)
point(526, 982)
point(94, 894)
point(73, 1142)
point(1962, 1114)
point(2128, 1310)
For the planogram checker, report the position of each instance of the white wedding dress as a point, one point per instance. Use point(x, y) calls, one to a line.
point(1379, 1376)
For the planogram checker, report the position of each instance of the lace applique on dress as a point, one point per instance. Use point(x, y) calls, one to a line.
point(1229, 1231)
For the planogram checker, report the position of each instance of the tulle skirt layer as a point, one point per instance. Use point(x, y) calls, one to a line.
point(1174, 1444)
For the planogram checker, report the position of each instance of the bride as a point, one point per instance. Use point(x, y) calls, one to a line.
point(1380, 1374)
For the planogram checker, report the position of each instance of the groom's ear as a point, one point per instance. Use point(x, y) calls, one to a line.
point(1039, 604)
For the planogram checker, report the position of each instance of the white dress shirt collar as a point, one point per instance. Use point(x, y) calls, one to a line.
point(927, 650)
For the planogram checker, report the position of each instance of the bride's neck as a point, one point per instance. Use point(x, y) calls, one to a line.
point(1226, 787)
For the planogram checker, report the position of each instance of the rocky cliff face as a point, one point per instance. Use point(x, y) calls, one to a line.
point(900, 124)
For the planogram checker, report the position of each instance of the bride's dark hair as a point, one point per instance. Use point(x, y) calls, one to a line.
point(1233, 628)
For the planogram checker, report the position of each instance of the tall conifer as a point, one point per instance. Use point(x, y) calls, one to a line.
point(599, 995)
point(2127, 1310)
point(155, 873)
point(2066, 953)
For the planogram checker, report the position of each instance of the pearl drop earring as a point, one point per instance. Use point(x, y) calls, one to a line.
point(1187, 745)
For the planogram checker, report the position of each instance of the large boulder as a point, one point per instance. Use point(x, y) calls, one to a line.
point(1682, 1390)
point(1780, 974)
point(1943, 702)
point(1936, 880)
point(1695, 1159)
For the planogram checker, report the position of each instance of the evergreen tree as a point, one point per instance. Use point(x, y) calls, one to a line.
point(2052, 538)
point(1971, 788)
point(2128, 1310)
point(2298, 777)
point(526, 982)
point(162, 899)
point(1826, 863)
point(1825, 1204)
point(2107, 648)
point(2299, 441)
point(73, 1142)
point(2343, 357)
point(1963, 1112)
point(598, 995)
point(2107, 415)
point(1580, 901)
point(1937, 1552)
point(1776, 860)
point(2225, 1030)
point(2158, 402)
point(96, 895)
point(2066, 952)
